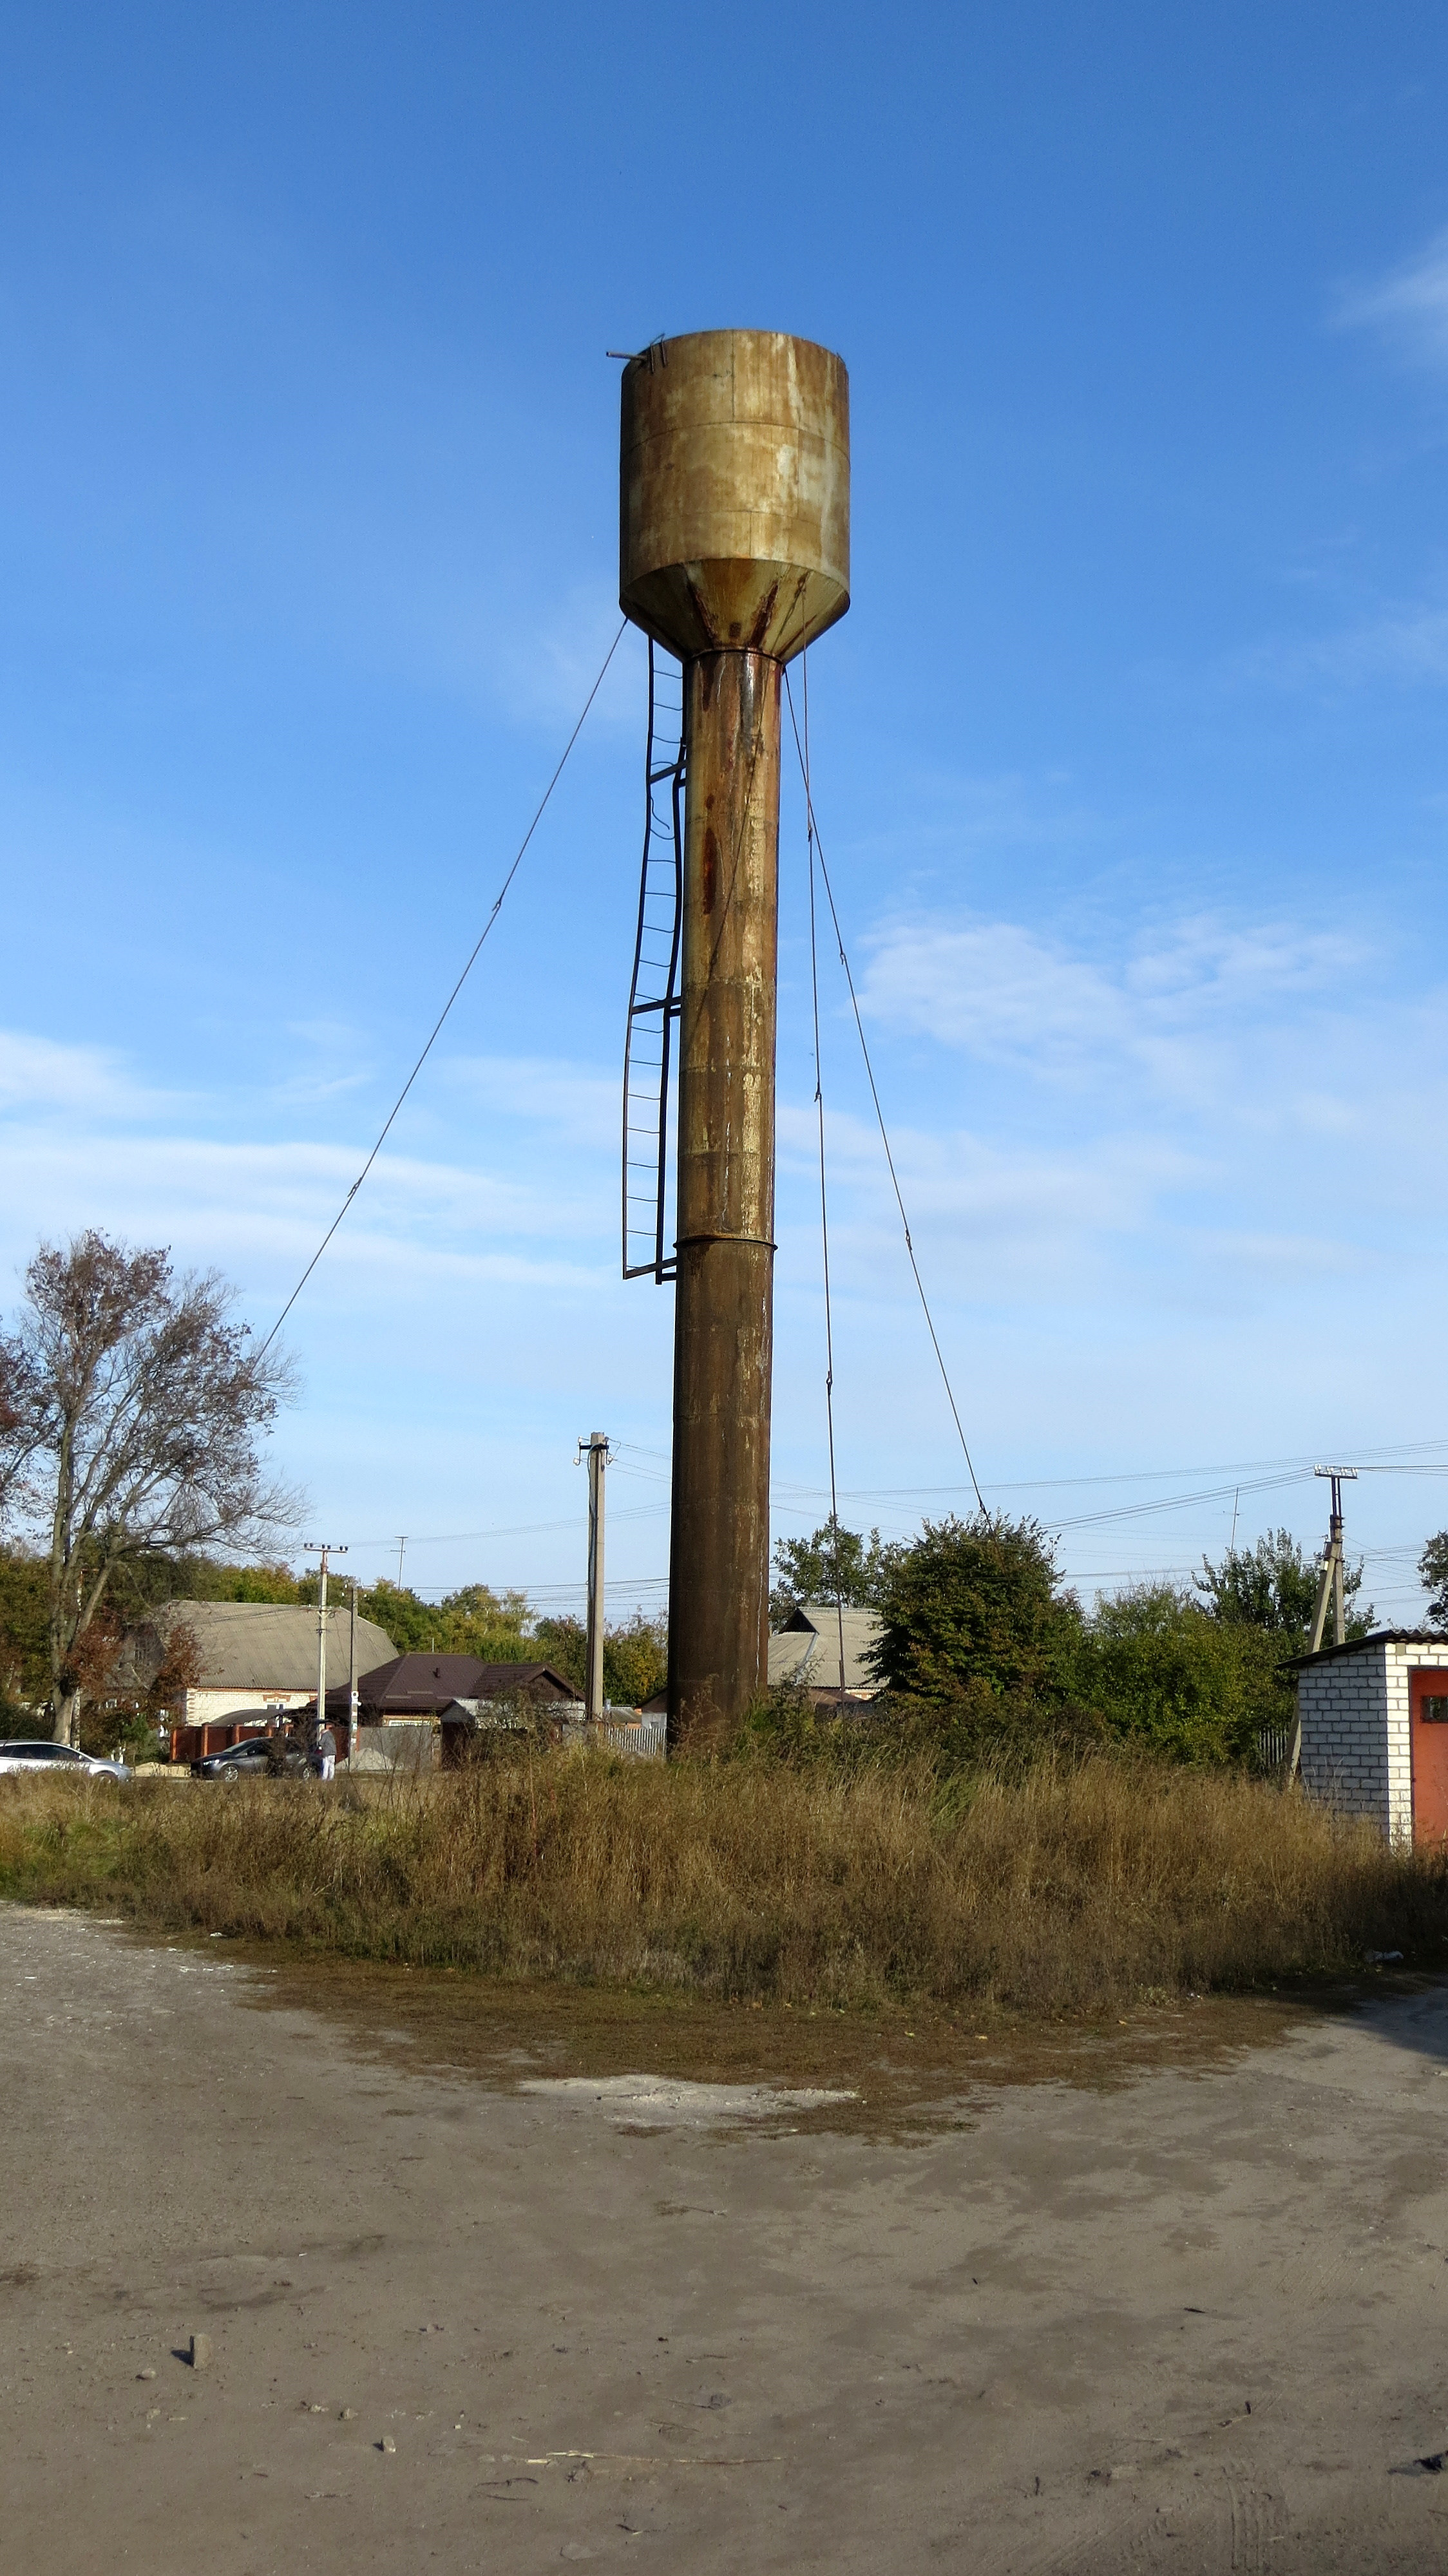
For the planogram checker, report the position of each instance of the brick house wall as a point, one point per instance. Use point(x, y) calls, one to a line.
point(1356, 1738)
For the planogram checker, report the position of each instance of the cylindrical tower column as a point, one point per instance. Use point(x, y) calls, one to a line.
point(723, 1324)
point(734, 553)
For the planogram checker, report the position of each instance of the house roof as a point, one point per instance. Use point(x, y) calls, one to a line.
point(807, 1648)
point(424, 1685)
point(1374, 1637)
point(258, 1645)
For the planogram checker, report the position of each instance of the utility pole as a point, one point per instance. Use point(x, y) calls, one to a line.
point(313, 1548)
point(401, 1552)
point(1330, 1584)
point(595, 1449)
point(1330, 1587)
point(352, 1678)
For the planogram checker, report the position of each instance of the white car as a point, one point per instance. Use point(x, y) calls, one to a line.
point(25, 1754)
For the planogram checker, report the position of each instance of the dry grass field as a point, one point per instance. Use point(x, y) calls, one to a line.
point(1069, 1891)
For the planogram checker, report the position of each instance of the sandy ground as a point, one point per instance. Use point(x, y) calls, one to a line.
point(1199, 2321)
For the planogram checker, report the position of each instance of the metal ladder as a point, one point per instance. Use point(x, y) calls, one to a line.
point(653, 1002)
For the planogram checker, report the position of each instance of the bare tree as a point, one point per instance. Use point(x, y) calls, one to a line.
point(141, 1407)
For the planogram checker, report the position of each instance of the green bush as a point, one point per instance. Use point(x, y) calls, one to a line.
point(1168, 1676)
point(989, 1662)
point(977, 1603)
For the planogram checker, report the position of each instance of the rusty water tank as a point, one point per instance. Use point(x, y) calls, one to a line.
point(735, 493)
point(734, 554)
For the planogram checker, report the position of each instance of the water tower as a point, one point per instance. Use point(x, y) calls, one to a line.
point(734, 554)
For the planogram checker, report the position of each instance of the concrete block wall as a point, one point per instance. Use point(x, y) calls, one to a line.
point(1356, 1729)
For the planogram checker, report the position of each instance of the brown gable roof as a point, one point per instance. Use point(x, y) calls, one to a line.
point(421, 1685)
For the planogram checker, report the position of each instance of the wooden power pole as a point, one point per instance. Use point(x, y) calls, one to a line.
point(314, 1548)
point(595, 1449)
point(1330, 1588)
point(1330, 1584)
point(352, 1677)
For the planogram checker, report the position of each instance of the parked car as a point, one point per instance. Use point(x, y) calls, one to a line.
point(21, 1754)
point(252, 1758)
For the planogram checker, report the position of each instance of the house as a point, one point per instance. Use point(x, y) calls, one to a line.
point(254, 1658)
point(1373, 1716)
point(422, 1686)
point(806, 1651)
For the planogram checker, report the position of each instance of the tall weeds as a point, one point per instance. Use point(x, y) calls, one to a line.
point(1068, 1890)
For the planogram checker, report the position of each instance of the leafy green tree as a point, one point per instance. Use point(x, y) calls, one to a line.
point(1274, 1586)
point(200, 1581)
point(635, 1660)
point(836, 1564)
point(471, 1621)
point(477, 1621)
point(976, 1602)
point(1433, 1574)
point(635, 1656)
point(24, 1642)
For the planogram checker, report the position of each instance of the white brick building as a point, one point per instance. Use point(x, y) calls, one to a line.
point(1374, 1718)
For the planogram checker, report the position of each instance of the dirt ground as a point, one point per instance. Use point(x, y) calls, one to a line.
point(495, 2282)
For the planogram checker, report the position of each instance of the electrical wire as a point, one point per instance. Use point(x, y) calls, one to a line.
point(817, 844)
point(452, 997)
point(814, 977)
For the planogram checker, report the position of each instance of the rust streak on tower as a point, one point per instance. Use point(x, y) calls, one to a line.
point(734, 554)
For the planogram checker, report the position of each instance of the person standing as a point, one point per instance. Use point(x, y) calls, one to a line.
point(326, 1754)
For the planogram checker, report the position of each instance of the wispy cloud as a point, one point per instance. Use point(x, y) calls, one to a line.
point(1409, 304)
point(39, 1074)
point(84, 1143)
point(1028, 1218)
point(576, 1101)
point(1406, 643)
point(1004, 994)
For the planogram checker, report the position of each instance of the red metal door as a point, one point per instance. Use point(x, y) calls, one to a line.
point(1429, 1704)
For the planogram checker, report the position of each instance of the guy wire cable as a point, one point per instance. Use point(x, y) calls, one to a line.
point(817, 844)
point(452, 997)
point(814, 977)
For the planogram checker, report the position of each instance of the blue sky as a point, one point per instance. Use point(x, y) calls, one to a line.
point(1129, 758)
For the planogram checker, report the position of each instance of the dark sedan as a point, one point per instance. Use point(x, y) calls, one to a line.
point(252, 1759)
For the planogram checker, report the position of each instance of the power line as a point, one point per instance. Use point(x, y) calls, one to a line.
point(875, 1096)
point(814, 979)
point(452, 997)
